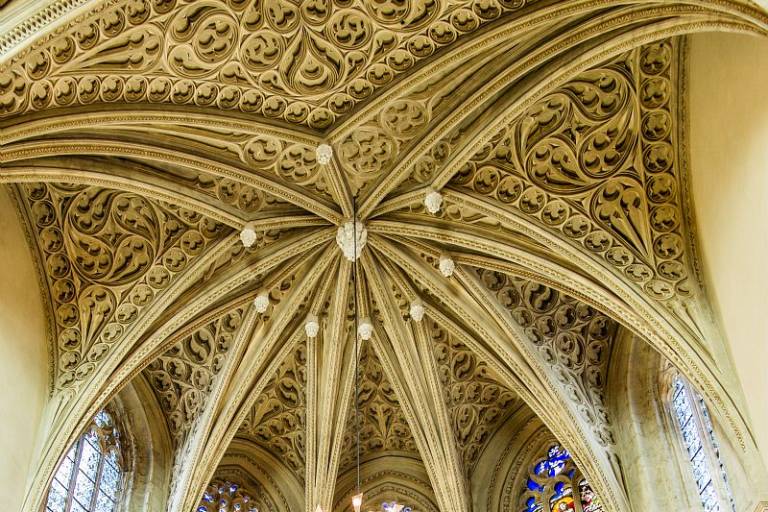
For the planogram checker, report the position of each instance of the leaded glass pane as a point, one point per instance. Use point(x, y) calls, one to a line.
point(76, 507)
point(551, 485)
point(110, 480)
point(104, 503)
point(691, 438)
point(102, 419)
point(696, 429)
point(84, 488)
point(92, 437)
point(590, 502)
point(57, 497)
point(709, 498)
point(89, 461)
point(64, 473)
point(92, 477)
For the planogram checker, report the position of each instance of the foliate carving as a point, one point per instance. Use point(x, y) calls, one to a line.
point(277, 420)
point(572, 338)
point(594, 160)
point(476, 402)
point(183, 376)
point(236, 194)
point(383, 427)
point(303, 62)
point(372, 145)
point(107, 255)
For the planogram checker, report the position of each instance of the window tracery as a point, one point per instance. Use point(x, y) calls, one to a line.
point(226, 497)
point(90, 478)
point(694, 425)
point(555, 484)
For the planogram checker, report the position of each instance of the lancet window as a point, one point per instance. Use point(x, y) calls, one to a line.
point(701, 448)
point(90, 478)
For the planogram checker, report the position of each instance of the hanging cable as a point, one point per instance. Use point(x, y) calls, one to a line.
point(357, 326)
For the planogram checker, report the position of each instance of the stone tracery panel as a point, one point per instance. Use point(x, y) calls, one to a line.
point(383, 427)
point(184, 375)
point(595, 161)
point(572, 337)
point(107, 255)
point(302, 62)
point(225, 495)
point(476, 402)
point(277, 420)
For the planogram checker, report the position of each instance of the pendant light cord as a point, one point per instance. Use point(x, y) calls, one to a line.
point(357, 326)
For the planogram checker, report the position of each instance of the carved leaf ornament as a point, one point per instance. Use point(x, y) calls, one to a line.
point(591, 163)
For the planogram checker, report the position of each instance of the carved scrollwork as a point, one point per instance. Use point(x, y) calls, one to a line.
point(383, 427)
point(477, 402)
point(183, 376)
point(277, 420)
point(572, 338)
point(304, 62)
point(594, 160)
point(107, 255)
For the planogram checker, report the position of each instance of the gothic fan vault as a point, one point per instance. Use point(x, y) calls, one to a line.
point(141, 136)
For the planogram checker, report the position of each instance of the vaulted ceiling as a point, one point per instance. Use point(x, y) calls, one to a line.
point(140, 136)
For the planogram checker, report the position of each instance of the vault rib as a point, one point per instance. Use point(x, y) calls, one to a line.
point(263, 356)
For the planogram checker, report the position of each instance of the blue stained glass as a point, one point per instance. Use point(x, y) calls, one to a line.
point(532, 506)
point(552, 481)
point(227, 496)
point(554, 464)
point(533, 486)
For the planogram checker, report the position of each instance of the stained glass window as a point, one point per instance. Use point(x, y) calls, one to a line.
point(89, 479)
point(701, 448)
point(226, 497)
point(555, 484)
point(394, 506)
